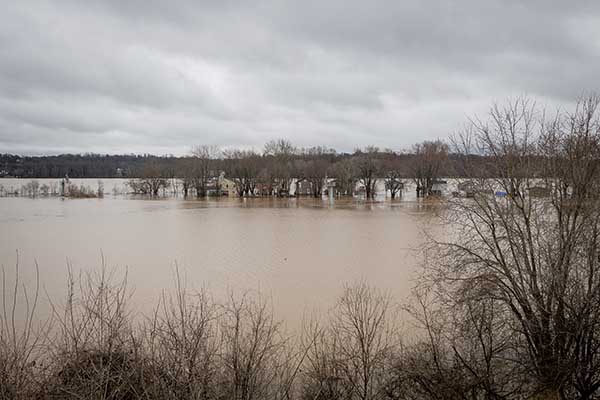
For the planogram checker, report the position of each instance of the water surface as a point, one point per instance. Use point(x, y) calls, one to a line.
point(299, 252)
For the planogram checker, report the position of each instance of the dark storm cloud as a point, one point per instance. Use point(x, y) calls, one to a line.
point(137, 76)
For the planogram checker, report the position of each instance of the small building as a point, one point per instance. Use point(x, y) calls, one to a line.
point(438, 187)
point(303, 188)
point(227, 186)
point(213, 189)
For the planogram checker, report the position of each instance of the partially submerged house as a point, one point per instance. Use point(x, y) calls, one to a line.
point(303, 188)
point(227, 186)
point(438, 188)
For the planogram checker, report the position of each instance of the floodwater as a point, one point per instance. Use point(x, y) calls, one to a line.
point(298, 252)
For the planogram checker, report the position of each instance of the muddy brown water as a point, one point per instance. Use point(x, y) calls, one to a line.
point(298, 252)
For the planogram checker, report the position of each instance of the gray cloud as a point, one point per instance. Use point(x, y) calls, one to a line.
point(155, 76)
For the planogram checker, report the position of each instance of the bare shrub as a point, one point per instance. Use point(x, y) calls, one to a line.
point(96, 355)
point(80, 192)
point(22, 340)
point(368, 167)
point(321, 378)
point(100, 191)
point(253, 350)
point(151, 179)
point(182, 345)
point(352, 357)
point(44, 190)
point(30, 189)
point(462, 351)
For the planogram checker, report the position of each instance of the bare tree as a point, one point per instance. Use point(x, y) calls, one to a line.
point(150, 180)
point(243, 168)
point(267, 179)
point(344, 172)
point(536, 257)
point(282, 152)
point(322, 370)
point(394, 174)
point(429, 159)
point(364, 328)
point(315, 173)
point(185, 171)
point(368, 167)
point(203, 167)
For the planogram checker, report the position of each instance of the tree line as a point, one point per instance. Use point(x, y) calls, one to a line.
point(279, 169)
point(74, 165)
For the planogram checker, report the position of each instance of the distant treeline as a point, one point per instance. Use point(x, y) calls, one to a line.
point(75, 165)
point(274, 170)
point(91, 165)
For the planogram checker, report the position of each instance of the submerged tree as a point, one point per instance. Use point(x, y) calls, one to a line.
point(368, 167)
point(281, 153)
point(394, 175)
point(186, 173)
point(203, 168)
point(151, 179)
point(315, 173)
point(243, 168)
point(344, 173)
point(427, 165)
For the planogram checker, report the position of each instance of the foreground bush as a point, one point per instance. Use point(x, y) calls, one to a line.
point(192, 347)
point(189, 348)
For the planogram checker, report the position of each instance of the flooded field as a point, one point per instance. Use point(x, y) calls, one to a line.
point(299, 252)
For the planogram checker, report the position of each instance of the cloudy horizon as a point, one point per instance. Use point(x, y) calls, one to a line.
point(149, 77)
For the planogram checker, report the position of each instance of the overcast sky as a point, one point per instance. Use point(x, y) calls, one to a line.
point(160, 76)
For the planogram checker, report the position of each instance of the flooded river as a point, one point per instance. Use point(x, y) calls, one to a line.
point(299, 252)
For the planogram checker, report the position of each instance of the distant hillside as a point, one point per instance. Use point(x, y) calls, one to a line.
point(115, 166)
point(75, 165)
